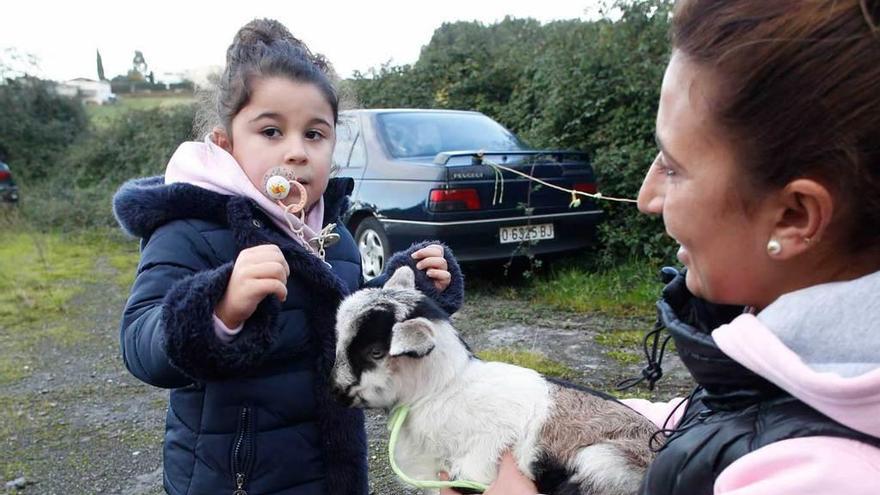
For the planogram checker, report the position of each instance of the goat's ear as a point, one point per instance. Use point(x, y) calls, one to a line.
point(413, 338)
point(403, 278)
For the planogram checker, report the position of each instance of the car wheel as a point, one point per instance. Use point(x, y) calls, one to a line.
point(373, 246)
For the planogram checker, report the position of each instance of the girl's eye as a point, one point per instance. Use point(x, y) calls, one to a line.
point(313, 135)
point(271, 132)
point(377, 353)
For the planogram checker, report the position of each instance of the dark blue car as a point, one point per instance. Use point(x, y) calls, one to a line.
point(425, 174)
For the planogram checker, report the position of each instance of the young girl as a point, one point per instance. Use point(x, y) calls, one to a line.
point(243, 262)
point(768, 177)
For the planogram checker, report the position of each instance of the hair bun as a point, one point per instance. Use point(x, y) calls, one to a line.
point(265, 31)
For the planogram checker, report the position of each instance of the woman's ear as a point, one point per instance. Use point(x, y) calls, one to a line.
point(221, 139)
point(807, 209)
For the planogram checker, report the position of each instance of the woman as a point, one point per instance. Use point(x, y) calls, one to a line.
point(768, 177)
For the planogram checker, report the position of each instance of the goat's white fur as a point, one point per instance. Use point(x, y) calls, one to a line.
point(464, 412)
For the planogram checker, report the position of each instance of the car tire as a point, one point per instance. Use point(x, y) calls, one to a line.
point(374, 247)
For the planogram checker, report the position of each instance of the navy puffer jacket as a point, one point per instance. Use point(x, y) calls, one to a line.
point(255, 413)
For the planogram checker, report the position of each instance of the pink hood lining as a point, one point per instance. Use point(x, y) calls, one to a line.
point(210, 167)
point(852, 401)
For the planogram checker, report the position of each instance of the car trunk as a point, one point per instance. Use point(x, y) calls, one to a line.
point(513, 195)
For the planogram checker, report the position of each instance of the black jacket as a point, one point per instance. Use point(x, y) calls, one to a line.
point(255, 412)
point(731, 413)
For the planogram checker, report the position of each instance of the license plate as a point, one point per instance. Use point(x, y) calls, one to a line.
point(522, 233)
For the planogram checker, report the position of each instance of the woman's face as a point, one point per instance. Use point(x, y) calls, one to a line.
point(285, 124)
point(694, 184)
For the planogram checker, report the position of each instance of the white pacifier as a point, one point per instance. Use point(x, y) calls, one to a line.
point(278, 185)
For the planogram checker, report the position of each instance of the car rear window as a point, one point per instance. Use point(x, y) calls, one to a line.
point(417, 134)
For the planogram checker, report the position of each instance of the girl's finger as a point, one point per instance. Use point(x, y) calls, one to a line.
point(433, 262)
point(265, 286)
point(441, 278)
point(263, 254)
point(269, 269)
point(429, 251)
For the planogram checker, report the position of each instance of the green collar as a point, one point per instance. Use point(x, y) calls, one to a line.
point(398, 416)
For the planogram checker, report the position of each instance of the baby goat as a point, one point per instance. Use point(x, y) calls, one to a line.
point(396, 347)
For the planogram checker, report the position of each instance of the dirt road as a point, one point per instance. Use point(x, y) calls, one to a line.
point(78, 423)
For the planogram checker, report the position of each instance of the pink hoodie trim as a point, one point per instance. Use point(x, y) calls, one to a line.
point(804, 466)
point(210, 167)
point(223, 332)
point(659, 412)
point(853, 401)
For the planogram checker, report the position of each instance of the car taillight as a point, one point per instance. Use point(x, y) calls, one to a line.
point(587, 187)
point(5, 175)
point(454, 200)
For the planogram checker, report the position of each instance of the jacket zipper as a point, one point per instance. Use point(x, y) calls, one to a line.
point(243, 451)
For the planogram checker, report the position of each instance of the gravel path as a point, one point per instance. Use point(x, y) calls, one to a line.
point(80, 424)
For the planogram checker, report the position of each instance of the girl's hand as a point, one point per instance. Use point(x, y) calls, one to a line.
point(431, 260)
point(258, 272)
point(510, 480)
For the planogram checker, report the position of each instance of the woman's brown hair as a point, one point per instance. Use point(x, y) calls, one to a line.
point(800, 95)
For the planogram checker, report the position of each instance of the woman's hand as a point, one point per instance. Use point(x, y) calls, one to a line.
point(510, 480)
point(258, 272)
point(430, 259)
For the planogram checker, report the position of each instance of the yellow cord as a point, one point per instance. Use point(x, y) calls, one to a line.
point(573, 192)
point(398, 416)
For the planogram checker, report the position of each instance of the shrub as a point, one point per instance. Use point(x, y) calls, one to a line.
point(37, 125)
point(78, 192)
point(590, 86)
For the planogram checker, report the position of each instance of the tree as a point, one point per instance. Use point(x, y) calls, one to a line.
point(100, 67)
point(582, 85)
point(37, 126)
point(139, 64)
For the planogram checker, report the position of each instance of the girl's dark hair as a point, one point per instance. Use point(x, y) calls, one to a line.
point(800, 94)
point(263, 48)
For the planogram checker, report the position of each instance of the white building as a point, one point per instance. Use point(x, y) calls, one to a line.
point(89, 90)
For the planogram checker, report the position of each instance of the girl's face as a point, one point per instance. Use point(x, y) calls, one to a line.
point(285, 124)
point(694, 183)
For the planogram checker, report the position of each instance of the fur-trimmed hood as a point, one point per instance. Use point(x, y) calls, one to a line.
point(143, 205)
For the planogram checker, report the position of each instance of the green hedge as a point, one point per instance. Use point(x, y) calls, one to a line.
point(590, 86)
point(583, 85)
point(78, 190)
point(37, 126)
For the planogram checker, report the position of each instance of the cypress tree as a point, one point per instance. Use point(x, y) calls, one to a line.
point(100, 67)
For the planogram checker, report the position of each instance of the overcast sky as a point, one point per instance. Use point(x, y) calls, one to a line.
point(177, 36)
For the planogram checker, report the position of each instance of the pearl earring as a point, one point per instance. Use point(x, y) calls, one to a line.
point(774, 247)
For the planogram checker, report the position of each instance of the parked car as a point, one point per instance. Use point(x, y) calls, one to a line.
point(424, 174)
point(8, 189)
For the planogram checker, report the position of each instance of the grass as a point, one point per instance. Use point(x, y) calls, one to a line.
point(40, 273)
point(101, 115)
point(527, 359)
point(624, 346)
point(630, 289)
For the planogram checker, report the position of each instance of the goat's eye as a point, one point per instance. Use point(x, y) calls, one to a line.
point(377, 353)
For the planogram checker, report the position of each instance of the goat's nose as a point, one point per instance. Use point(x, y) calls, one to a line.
point(342, 397)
